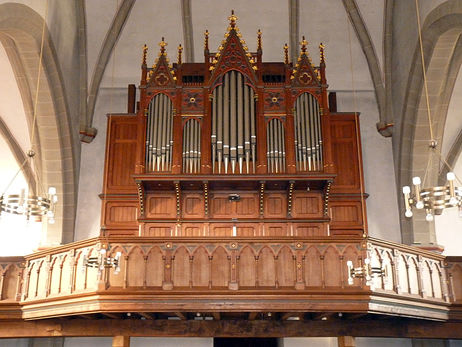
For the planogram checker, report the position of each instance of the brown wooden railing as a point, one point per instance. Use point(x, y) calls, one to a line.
point(230, 274)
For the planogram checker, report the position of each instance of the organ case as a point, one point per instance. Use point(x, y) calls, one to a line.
point(233, 147)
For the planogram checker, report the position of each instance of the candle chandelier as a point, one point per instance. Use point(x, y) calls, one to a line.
point(367, 271)
point(34, 204)
point(432, 199)
point(102, 261)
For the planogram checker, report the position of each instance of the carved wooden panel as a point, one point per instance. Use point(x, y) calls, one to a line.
point(345, 214)
point(219, 229)
point(307, 205)
point(135, 268)
point(121, 154)
point(121, 214)
point(313, 267)
point(200, 268)
point(161, 206)
point(154, 268)
point(345, 154)
point(10, 283)
point(193, 205)
point(275, 205)
point(275, 229)
point(285, 267)
point(192, 230)
point(331, 269)
point(181, 268)
point(158, 230)
point(118, 280)
point(220, 268)
point(309, 229)
point(266, 268)
point(247, 268)
point(246, 207)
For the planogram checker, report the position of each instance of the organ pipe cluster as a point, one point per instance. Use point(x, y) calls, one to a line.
point(308, 136)
point(191, 146)
point(233, 126)
point(159, 140)
point(276, 150)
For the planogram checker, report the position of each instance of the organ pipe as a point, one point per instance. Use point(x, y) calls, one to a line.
point(275, 138)
point(233, 126)
point(191, 147)
point(308, 134)
point(159, 140)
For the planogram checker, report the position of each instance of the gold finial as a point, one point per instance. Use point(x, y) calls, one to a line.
point(286, 54)
point(321, 52)
point(145, 51)
point(232, 19)
point(180, 50)
point(259, 45)
point(303, 43)
point(206, 40)
point(162, 45)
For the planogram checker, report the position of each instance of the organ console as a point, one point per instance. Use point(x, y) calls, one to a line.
point(233, 124)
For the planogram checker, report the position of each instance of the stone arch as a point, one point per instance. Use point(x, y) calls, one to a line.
point(440, 33)
point(20, 33)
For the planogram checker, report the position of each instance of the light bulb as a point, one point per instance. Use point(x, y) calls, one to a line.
point(429, 217)
point(416, 180)
point(102, 251)
point(419, 205)
point(349, 263)
point(408, 213)
point(51, 220)
point(453, 201)
point(406, 190)
point(20, 209)
point(450, 176)
point(50, 214)
point(52, 190)
point(55, 199)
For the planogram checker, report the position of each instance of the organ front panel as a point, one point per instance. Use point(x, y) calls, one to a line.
point(233, 147)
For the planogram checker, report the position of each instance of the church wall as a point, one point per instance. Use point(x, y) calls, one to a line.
point(379, 175)
point(92, 165)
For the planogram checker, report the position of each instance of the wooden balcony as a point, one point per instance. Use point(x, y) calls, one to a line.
point(234, 277)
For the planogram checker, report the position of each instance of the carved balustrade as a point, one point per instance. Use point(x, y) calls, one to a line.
point(233, 274)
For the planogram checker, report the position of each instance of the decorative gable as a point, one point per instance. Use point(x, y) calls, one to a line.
point(233, 54)
point(161, 74)
point(305, 74)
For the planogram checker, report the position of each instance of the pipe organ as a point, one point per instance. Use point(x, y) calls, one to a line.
point(233, 147)
point(232, 190)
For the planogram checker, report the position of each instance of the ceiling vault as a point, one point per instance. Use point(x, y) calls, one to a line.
point(367, 46)
point(187, 31)
point(105, 53)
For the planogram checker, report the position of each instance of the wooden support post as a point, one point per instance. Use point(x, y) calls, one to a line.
point(121, 341)
point(346, 341)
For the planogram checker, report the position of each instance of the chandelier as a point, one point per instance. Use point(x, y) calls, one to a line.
point(35, 205)
point(433, 199)
point(367, 271)
point(102, 261)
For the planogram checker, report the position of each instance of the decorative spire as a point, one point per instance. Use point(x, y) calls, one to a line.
point(286, 54)
point(162, 45)
point(259, 44)
point(145, 51)
point(321, 53)
point(232, 19)
point(206, 40)
point(303, 43)
point(180, 50)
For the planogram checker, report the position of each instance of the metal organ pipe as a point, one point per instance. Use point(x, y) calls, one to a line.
point(191, 147)
point(308, 135)
point(233, 126)
point(275, 143)
point(159, 140)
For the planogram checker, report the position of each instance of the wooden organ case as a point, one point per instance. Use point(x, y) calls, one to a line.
point(233, 147)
